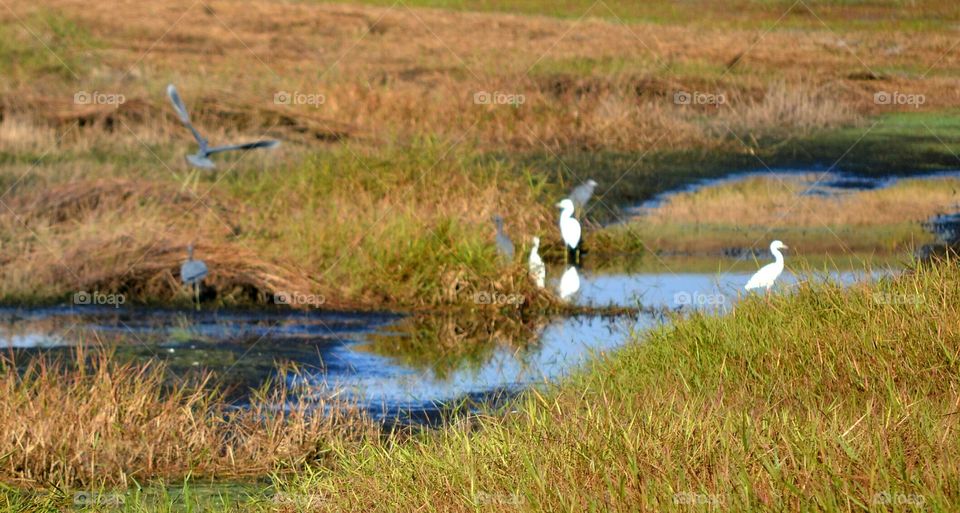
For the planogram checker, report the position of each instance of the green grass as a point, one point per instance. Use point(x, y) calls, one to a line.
point(819, 400)
point(44, 43)
point(825, 399)
point(836, 14)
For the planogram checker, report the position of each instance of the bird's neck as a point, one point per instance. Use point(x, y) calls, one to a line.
point(777, 255)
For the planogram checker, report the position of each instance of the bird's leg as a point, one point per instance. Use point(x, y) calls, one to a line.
point(196, 288)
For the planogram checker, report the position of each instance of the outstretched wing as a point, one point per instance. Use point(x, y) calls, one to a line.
point(269, 143)
point(184, 115)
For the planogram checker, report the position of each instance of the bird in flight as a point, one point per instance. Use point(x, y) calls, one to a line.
point(201, 159)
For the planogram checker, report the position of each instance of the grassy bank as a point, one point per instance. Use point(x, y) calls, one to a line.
point(826, 399)
point(829, 399)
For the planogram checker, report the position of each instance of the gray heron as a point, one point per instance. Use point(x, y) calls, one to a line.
point(582, 193)
point(504, 244)
point(201, 159)
point(192, 272)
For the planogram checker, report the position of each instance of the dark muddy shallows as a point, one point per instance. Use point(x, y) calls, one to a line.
point(399, 369)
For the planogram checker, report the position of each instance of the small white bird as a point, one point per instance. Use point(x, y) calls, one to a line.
point(770, 272)
point(569, 228)
point(192, 272)
point(569, 283)
point(538, 271)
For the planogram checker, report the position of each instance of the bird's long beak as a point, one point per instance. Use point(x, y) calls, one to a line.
point(784, 247)
point(558, 205)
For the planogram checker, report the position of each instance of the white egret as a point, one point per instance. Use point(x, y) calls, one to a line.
point(569, 228)
point(192, 272)
point(569, 283)
point(538, 271)
point(201, 158)
point(770, 272)
point(504, 244)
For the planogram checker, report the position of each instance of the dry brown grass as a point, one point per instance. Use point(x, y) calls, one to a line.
point(402, 71)
point(780, 202)
point(130, 237)
point(106, 423)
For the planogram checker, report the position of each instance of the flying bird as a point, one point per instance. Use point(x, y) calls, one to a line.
point(769, 273)
point(192, 272)
point(201, 159)
point(569, 229)
point(538, 271)
point(504, 244)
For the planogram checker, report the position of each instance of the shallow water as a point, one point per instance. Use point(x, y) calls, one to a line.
point(375, 359)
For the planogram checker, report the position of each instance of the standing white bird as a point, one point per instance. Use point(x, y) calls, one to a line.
point(569, 283)
point(538, 271)
point(569, 229)
point(504, 244)
point(201, 158)
point(770, 272)
point(192, 272)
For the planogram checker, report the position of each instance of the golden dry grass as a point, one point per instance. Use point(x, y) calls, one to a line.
point(106, 423)
point(387, 72)
point(780, 201)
